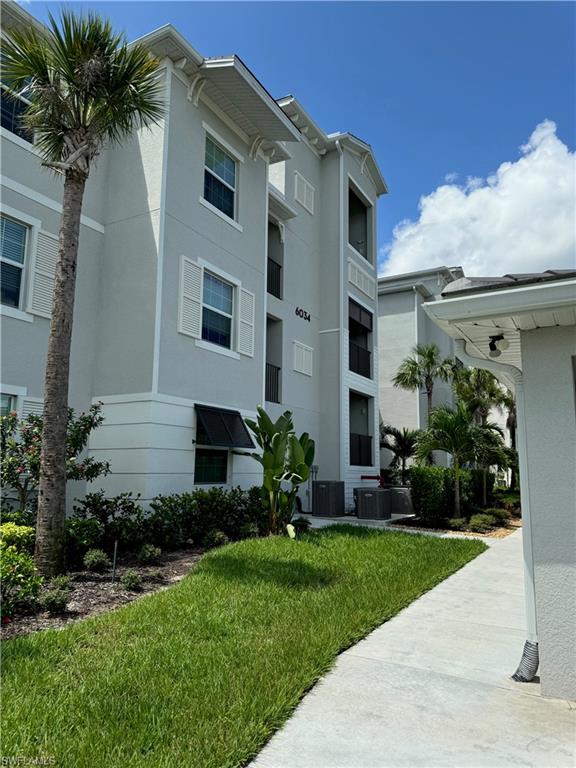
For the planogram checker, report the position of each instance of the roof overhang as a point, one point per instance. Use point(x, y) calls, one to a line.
point(359, 147)
point(14, 16)
point(477, 316)
point(228, 84)
point(323, 142)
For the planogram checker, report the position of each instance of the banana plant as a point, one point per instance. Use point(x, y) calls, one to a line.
point(286, 461)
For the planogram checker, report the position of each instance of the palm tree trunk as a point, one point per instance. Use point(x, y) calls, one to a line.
point(429, 392)
point(49, 552)
point(456, 487)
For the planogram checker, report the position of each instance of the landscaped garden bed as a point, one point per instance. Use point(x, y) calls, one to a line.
point(202, 673)
point(92, 593)
point(494, 533)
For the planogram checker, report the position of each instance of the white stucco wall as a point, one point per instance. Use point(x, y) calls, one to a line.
point(548, 356)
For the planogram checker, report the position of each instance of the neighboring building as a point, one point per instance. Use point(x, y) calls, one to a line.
point(523, 329)
point(402, 324)
point(227, 258)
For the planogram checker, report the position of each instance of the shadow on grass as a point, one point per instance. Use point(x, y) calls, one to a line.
point(294, 574)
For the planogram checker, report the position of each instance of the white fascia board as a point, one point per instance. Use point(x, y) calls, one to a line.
point(504, 302)
point(354, 144)
point(410, 276)
point(169, 32)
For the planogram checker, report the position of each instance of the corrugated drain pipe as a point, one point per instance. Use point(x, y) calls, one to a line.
point(529, 662)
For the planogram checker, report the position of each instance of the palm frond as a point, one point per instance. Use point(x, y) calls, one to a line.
point(85, 85)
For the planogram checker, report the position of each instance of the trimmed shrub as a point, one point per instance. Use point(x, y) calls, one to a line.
point(215, 539)
point(19, 580)
point(183, 518)
point(148, 554)
point(121, 517)
point(428, 493)
point(502, 516)
point(432, 492)
point(457, 524)
point(82, 535)
point(22, 537)
point(55, 598)
point(19, 516)
point(96, 560)
point(481, 523)
point(131, 580)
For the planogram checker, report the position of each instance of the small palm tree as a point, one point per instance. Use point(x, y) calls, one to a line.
point(455, 431)
point(86, 89)
point(402, 443)
point(421, 371)
point(480, 389)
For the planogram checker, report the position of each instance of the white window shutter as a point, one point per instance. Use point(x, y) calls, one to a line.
point(190, 305)
point(303, 358)
point(361, 280)
point(246, 324)
point(42, 283)
point(303, 192)
point(32, 405)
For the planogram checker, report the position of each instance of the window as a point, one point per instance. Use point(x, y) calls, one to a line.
point(6, 404)
point(12, 109)
point(359, 339)
point(211, 466)
point(217, 311)
point(220, 179)
point(12, 252)
point(220, 427)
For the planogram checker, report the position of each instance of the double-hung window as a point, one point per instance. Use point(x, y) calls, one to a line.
point(220, 178)
point(13, 236)
point(12, 108)
point(217, 310)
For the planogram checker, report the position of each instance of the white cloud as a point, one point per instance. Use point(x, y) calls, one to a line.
point(450, 178)
point(520, 219)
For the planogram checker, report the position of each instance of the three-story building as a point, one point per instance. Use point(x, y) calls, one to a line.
point(227, 259)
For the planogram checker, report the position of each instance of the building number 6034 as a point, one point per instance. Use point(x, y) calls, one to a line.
point(303, 314)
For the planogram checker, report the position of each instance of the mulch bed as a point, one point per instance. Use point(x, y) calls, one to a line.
point(495, 533)
point(93, 593)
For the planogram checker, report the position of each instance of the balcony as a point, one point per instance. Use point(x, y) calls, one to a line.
point(272, 383)
point(359, 360)
point(360, 450)
point(274, 279)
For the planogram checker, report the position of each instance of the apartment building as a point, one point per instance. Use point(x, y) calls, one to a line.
point(227, 259)
point(402, 324)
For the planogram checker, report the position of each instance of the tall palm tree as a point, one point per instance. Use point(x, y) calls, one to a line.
point(402, 443)
point(455, 431)
point(421, 371)
point(86, 89)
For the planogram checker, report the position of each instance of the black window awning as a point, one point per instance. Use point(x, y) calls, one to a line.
point(221, 427)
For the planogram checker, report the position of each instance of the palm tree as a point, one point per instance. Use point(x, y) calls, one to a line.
point(480, 389)
point(86, 89)
point(420, 371)
point(402, 443)
point(455, 431)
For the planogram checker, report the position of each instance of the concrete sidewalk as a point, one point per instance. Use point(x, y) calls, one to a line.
point(432, 686)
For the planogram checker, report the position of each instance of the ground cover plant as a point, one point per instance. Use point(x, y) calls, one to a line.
point(201, 674)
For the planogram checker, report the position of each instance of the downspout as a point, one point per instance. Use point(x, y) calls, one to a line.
point(529, 662)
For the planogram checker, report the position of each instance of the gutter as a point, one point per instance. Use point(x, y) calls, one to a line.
point(529, 662)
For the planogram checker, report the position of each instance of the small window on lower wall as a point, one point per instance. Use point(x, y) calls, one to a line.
point(211, 466)
point(7, 404)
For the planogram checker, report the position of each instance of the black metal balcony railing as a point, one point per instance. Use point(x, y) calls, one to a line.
point(359, 360)
point(360, 450)
point(274, 279)
point(272, 383)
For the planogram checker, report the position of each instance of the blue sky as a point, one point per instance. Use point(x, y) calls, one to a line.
point(436, 88)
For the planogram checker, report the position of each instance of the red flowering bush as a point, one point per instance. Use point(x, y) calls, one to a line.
point(21, 441)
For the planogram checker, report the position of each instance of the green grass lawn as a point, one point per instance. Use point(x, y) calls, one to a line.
point(201, 674)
